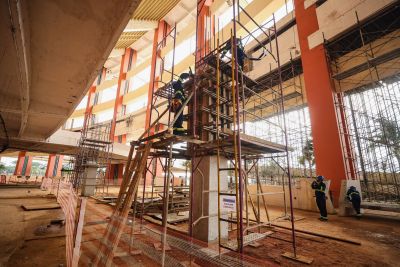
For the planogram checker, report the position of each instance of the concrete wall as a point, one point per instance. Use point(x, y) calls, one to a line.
point(337, 16)
point(303, 195)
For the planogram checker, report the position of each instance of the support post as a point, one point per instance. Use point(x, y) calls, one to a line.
point(54, 165)
point(205, 193)
point(328, 148)
point(90, 101)
point(159, 34)
point(128, 59)
point(24, 164)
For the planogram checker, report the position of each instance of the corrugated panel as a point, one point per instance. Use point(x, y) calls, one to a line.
point(128, 38)
point(147, 10)
point(154, 9)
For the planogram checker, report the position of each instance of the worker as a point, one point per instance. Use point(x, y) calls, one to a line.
point(177, 103)
point(319, 186)
point(241, 55)
point(354, 197)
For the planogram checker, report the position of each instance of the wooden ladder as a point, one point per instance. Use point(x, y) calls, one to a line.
point(129, 185)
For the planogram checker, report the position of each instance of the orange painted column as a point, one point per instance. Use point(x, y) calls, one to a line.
point(202, 43)
point(329, 155)
point(128, 60)
point(159, 34)
point(24, 164)
point(91, 93)
point(54, 165)
point(50, 166)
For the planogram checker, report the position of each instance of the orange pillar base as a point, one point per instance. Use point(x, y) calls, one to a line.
point(329, 155)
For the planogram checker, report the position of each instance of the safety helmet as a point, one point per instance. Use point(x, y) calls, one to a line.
point(184, 76)
point(320, 178)
point(352, 187)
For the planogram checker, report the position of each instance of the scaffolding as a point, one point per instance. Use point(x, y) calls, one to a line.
point(365, 69)
point(219, 100)
point(94, 148)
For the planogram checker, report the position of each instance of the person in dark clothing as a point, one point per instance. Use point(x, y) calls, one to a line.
point(241, 55)
point(354, 196)
point(319, 186)
point(177, 103)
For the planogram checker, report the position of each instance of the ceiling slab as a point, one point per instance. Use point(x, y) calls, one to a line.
point(50, 54)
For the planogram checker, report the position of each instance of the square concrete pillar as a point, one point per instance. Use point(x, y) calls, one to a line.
point(345, 206)
point(205, 199)
point(89, 179)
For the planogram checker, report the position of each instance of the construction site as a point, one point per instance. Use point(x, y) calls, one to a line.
point(200, 133)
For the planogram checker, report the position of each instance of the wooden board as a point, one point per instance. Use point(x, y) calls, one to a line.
point(298, 258)
point(48, 206)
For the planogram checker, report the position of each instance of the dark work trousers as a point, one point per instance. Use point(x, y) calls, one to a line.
point(321, 203)
point(179, 121)
point(356, 201)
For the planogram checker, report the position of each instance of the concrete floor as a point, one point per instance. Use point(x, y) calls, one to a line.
point(25, 238)
point(379, 236)
point(23, 244)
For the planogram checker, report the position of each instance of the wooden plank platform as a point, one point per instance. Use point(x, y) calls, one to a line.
point(250, 145)
point(247, 239)
point(48, 206)
point(298, 258)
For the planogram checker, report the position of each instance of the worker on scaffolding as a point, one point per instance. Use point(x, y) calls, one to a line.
point(241, 55)
point(177, 104)
point(354, 197)
point(319, 186)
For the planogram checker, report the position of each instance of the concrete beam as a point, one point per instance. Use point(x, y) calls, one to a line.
point(20, 35)
point(140, 25)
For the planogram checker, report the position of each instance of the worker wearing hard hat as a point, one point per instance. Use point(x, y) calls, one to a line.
point(319, 186)
point(177, 103)
point(354, 196)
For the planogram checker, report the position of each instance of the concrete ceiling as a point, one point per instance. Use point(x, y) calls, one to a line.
point(50, 53)
point(148, 12)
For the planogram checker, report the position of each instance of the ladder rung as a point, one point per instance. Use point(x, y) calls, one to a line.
point(228, 220)
point(226, 169)
point(227, 194)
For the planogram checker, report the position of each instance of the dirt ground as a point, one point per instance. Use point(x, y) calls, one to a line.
point(379, 237)
point(26, 239)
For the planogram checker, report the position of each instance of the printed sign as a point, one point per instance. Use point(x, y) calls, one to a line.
point(228, 203)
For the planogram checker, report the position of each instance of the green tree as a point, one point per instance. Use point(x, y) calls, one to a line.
point(388, 135)
point(307, 157)
point(2, 167)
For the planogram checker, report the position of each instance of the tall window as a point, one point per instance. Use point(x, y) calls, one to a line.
point(139, 79)
point(83, 103)
point(108, 94)
point(137, 104)
point(105, 115)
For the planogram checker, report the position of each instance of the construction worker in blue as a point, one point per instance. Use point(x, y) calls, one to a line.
point(177, 103)
point(354, 197)
point(241, 54)
point(319, 186)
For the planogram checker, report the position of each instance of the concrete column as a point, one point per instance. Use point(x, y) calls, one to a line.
point(91, 94)
point(50, 165)
point(89, 180)
point(205, 199)
point(24, 164)
point(128, 59)
point(160, 33)
point(328, 143)
point(54, 165)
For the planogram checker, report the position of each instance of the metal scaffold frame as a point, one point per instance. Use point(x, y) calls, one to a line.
point(368, 95)
point(218, 128)
point(94, 148)
point(242, 89)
